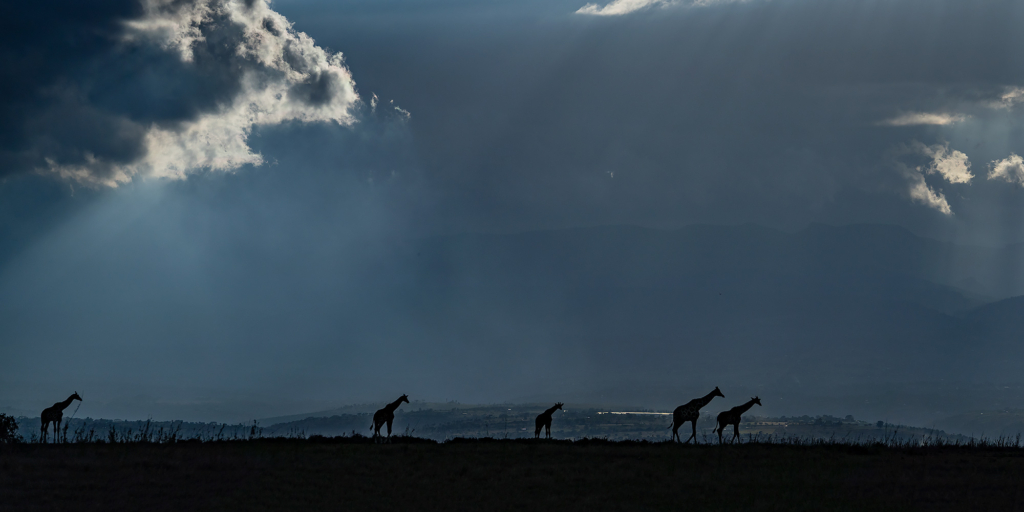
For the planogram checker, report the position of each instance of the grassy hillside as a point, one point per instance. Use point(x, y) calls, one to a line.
point(504, 421)
point(512, 421)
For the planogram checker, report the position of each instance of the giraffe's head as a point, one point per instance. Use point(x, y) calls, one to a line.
point(76, 397)
point(717, 392)
point(559, 405)
point(404, 398)
point(756, 400)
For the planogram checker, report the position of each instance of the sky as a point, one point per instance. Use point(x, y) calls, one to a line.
point(207, 207)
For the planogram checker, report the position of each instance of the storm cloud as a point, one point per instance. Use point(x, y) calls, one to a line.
point(163, 88)
point(787, 108)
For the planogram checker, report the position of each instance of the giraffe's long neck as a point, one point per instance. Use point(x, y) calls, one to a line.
point(550, 411)
point(707, 399)
point(745, 407)
point(393, 405)
point(64, 405)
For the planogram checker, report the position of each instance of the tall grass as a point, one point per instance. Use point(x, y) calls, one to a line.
point(125, 432)
point(161, 435)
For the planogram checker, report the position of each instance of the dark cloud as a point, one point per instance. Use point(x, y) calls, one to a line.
point(681, 114)
point(156, 88)
point(649, 117)
point(43, 54)
point(319, 89)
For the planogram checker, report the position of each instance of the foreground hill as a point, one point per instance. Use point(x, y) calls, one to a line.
point(337, 474)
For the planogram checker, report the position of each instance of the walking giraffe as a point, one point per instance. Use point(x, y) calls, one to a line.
point(386, 415)
point(732, 417)
point(544, 420)
point(690, 411)
point(54, 415)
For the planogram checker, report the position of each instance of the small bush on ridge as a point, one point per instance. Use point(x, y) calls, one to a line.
point(8, 429)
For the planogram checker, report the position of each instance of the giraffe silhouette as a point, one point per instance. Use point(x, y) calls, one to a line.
point(690, 411)
point(54, 415)
point(386, 415)
point(544, 420)
point(732, 417)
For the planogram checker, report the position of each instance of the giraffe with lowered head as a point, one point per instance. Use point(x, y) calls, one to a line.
point(54, 415)
point(386, 415)
point(690, 411)
point(732, 417)
point(544, 420)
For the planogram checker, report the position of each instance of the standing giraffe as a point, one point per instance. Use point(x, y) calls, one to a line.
point(690, 412)
point(386, 415)
point(732, 417)
point(54, 415)
point(544, 420)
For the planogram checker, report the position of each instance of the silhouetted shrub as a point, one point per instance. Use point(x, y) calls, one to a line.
point(8, 429)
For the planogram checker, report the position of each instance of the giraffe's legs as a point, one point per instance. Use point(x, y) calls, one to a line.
point(694, 436)
point(720, 428)
point(675, 432)
point(735, 431)
point(389, 429)
point(547, 430)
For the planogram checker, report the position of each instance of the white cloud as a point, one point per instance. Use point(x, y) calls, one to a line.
point(952, 165)
point(284, 76)
point(620, 7)
point(924, 118)
point(401, 111)
point(1010, 97)
point(920, 191)
point(1009, 169)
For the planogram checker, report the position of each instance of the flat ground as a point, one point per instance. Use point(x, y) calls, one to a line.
point(505, 475)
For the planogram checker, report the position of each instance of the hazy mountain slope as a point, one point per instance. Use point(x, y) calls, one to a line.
point(738, 302)
point(855, 319)
point(622, 314)
point(991, 423)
